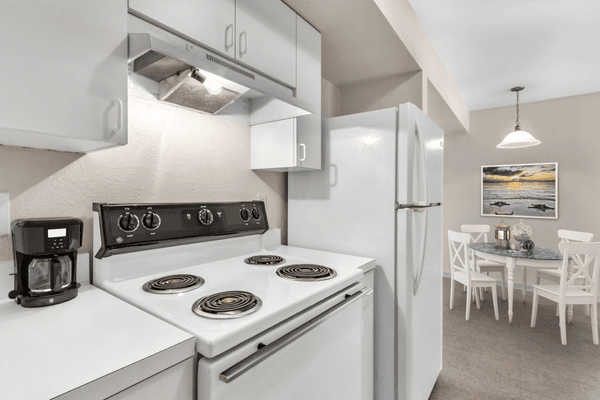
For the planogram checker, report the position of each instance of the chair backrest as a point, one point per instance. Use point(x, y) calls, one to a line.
point(574, 236)
point(482, 231)
point(458, 245)
point(586, 267)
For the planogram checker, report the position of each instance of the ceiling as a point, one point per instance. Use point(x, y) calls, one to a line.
point(552, 47)
point(358, 43)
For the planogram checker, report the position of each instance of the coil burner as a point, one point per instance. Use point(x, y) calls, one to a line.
point(173, 284)
point(306, 272)
point(264, 259)
point(226, 305)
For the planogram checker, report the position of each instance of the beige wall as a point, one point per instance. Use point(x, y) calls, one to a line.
point(173, 155)
point(569, 129)
point(382, 93)
point(407, 26)
point(331, 99)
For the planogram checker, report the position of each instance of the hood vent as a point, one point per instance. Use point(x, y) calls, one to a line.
point(190, 76)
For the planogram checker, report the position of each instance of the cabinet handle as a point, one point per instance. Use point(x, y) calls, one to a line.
point(119, 116)
point(227, 38)
point(245, 35)
point(303, 147)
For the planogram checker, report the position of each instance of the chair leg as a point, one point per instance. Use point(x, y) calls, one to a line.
point(468, 303)
point(477, 298)
point(495, 300)
point(484, 289)
point(534, 307)
point(594, 313)
point(557, 309)
point(464, 288)
point(587, 310)
point(563, 324)
point(451, 294)
point(537, 277)
point(504, 284)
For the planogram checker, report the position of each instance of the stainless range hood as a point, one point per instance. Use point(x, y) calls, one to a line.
point(182, 69)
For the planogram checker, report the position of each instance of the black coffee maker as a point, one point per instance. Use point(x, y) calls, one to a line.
point(45, 254)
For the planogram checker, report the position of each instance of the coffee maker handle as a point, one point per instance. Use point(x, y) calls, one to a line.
point(56, 277)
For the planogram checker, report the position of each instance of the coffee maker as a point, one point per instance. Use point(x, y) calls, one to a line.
point(45, 254)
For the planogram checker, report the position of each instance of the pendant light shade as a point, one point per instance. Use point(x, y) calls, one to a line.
point(518, 138)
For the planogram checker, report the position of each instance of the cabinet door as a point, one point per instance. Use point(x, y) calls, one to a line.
point(309, 141)
point(64, 74)
point(209, 22)
point(273, 145)
point(266, 38)
point(308, 54)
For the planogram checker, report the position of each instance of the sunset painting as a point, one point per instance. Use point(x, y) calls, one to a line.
point(520, 190)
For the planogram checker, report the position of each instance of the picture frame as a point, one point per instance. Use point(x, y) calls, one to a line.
point(527, 190)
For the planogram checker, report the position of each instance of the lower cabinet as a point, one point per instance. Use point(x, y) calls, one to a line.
point(175, 383)
point(288, 145)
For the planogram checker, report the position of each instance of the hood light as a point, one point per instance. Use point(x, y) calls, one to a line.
point(212, 86)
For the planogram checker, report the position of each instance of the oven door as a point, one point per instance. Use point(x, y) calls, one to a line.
point(325, 352)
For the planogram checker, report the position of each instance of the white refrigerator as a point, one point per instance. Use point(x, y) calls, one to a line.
point(379, 195)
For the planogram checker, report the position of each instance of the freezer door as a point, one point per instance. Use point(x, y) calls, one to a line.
point(420, 157)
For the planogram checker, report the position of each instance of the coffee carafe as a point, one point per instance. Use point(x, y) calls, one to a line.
point(45, 254)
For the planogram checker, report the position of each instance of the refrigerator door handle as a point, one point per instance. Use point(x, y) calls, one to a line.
point(418, 206)
point(423, 161)
point(419, 274)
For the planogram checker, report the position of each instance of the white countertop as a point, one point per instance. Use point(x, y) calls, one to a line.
point(50, 351)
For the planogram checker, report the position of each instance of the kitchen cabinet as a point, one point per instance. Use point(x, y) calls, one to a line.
point(170, 384)
point(288, 145)
point(210, 22)
point(260, 34)
point(64, 74)
point(294, 144)
point(266, 37)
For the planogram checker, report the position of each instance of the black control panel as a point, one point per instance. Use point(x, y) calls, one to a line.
point(126, 228)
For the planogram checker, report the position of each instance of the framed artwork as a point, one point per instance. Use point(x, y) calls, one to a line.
point(520, 190)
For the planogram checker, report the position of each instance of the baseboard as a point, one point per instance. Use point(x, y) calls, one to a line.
point(518, 286)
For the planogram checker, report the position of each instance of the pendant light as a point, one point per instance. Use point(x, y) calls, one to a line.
point(518, 138)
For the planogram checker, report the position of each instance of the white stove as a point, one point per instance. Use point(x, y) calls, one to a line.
point(249, 319)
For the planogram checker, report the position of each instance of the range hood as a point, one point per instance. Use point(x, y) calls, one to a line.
point(184, 74)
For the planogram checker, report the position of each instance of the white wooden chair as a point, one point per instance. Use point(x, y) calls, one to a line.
point(478, 232)
point(568, 291)
point(462, 272)
point(553, 274)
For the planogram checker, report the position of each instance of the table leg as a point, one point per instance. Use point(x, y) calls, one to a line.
point(510, 266)
point(524, 291)
point(570, 306)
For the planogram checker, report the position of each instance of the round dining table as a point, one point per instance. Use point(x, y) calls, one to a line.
point(539, 257)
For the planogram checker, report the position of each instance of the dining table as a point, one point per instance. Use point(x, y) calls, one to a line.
point(538, 257)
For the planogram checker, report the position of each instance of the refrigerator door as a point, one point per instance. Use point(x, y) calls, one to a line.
point(348, 207)
point(419, 253)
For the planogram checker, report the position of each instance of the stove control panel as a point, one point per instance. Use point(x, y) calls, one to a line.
point(127, 228)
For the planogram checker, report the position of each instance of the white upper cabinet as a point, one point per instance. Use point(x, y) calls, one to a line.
point(64, 74)
point(308, 54)
point(266, 38)
point(210, 22)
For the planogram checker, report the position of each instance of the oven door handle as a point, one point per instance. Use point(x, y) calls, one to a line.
point(249, 362)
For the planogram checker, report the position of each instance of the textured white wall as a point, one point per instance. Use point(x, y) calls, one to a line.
point(173, 155)
point(569, 129)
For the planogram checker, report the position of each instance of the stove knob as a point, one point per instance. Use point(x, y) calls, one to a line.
point(245, 215)
point(151, 220)
point(205, 217)
point(255, 213)
point(128, 222)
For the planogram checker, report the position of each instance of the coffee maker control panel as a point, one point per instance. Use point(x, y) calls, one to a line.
point(57, 239)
